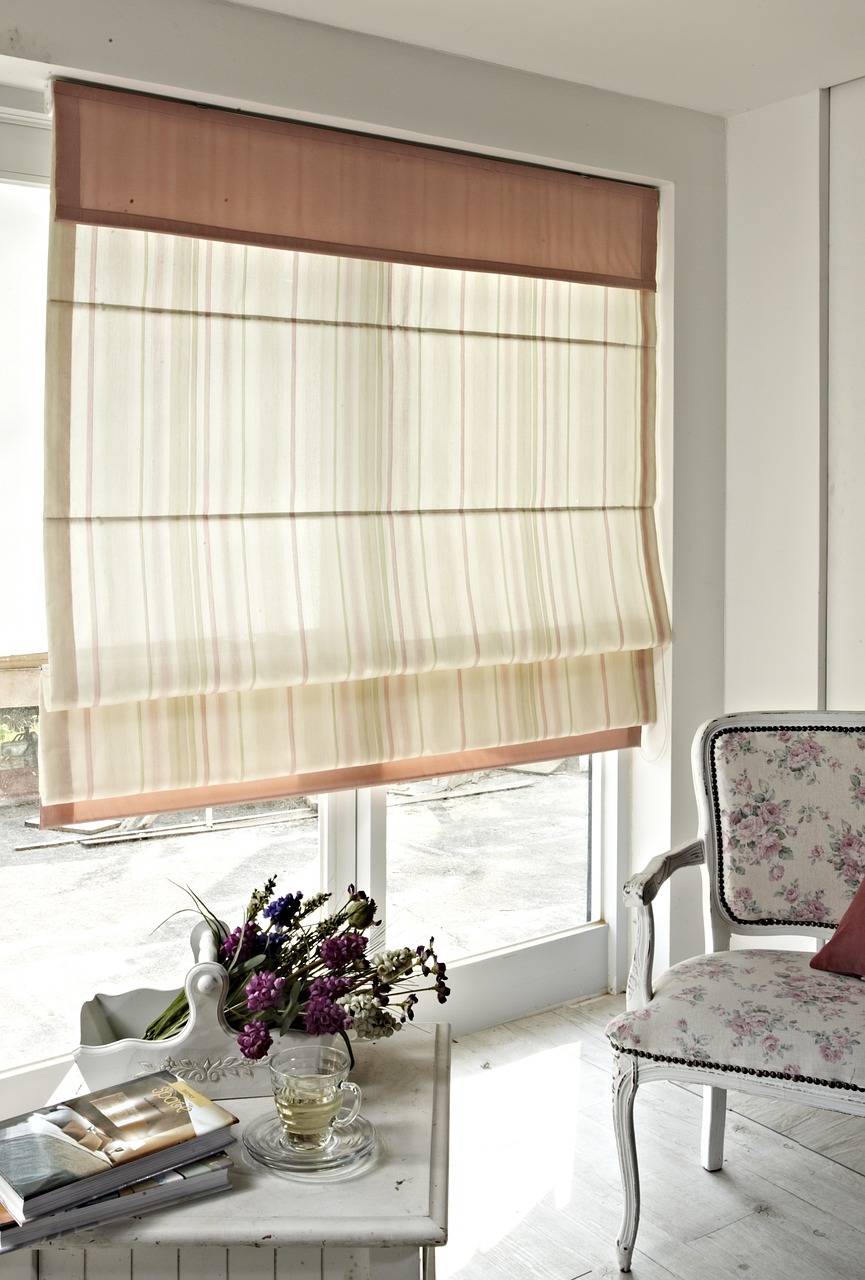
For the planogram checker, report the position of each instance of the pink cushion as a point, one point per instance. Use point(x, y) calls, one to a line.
point(845, 950)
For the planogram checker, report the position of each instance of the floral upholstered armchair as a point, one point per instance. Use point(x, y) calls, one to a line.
point(782, 842)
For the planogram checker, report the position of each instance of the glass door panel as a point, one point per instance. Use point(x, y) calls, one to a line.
point(490, 860)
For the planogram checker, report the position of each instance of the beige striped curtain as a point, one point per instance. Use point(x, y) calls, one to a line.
point(316, 520)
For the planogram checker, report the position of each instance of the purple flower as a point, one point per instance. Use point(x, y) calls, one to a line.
point(253, 943)
point(322, 1017)
point(341, 951)
point(330, 988)
point(254, 1040)
point(283, 910)
point(263, 991)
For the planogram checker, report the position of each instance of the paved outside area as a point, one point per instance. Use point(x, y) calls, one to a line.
point(492, 860)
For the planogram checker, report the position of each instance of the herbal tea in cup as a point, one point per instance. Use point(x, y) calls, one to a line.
point(310, 1090)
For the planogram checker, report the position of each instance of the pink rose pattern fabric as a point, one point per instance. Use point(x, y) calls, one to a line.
point(790, 812)
point(761, 1011)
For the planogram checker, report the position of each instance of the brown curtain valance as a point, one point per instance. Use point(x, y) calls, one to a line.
point(129, 160)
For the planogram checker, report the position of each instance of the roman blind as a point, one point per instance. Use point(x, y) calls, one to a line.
point(350, 460)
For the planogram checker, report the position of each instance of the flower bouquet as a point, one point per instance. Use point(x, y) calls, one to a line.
point(292, 967)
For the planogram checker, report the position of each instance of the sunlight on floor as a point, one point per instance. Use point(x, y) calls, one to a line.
point(524, 1126)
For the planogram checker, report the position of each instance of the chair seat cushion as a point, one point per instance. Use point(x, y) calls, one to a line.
point(764, 1013)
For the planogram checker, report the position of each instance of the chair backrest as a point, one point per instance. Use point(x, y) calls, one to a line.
point(782, 800)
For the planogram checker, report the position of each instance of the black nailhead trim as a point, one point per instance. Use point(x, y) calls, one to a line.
point(753, 1071)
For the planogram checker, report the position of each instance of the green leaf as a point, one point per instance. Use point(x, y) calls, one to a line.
point(292, 1006)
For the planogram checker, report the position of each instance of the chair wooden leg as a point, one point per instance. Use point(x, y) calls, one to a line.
point(624, 1090)
point(714, 1115)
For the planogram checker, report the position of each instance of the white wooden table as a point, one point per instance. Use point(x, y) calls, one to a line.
point(381, 1224)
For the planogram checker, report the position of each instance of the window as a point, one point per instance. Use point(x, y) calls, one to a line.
point(363, 851)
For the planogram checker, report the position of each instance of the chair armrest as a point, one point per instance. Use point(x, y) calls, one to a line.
point(642, 888)
point(639, 892)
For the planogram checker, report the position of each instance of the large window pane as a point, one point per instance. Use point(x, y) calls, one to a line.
point(87, 912)
point(494, 859)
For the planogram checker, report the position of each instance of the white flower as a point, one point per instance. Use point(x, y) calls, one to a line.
point(393, 965)
point(369, 1018)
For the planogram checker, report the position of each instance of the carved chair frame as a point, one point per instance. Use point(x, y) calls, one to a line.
point(631, 1069)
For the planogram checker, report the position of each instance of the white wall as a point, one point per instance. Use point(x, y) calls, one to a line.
point(23, 248)
point(776, 406)
point(845, 674)
point(226, 54)
point(25, 155)
point(25, 136)
point(795, 604)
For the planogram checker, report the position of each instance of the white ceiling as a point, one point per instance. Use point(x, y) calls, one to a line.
point(722, 56)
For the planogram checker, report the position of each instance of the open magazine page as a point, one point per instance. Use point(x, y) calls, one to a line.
point(141, 1115)
point(48, 1150)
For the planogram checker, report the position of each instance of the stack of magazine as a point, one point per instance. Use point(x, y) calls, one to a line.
point(117, 1152)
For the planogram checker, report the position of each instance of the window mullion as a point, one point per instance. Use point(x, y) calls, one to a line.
point(352, 840)
point(372, 848)
point(611, 828)
point(338, 841)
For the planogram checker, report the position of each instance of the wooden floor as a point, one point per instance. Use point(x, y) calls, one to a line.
point(535, 1187)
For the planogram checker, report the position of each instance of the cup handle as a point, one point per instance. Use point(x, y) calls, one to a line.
point(349, 1087)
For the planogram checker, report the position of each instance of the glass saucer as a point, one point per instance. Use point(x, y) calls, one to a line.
point(350, 1147)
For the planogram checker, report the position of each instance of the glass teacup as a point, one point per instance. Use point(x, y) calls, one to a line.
point(310, 1090)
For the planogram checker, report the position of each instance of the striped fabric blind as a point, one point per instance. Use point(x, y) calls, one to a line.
point(317, 521)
